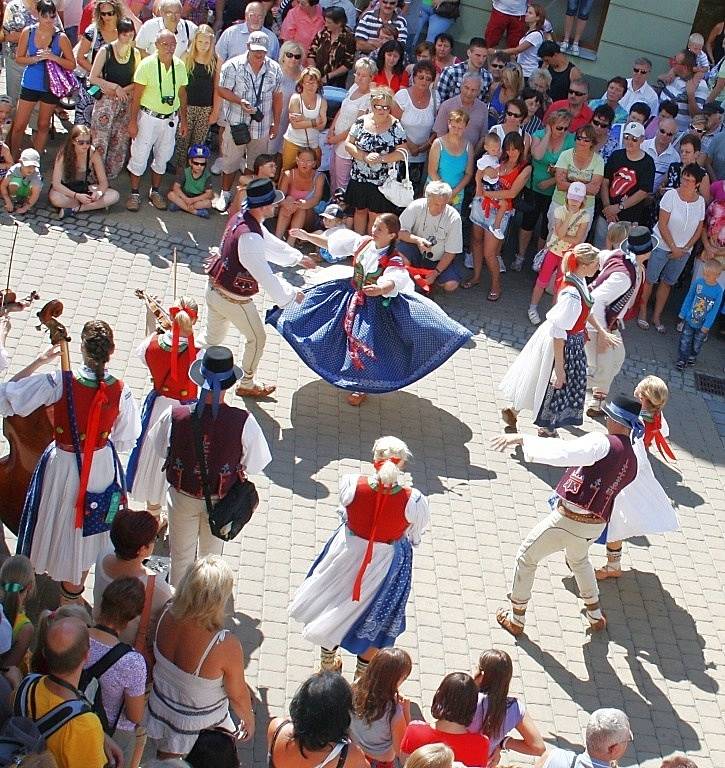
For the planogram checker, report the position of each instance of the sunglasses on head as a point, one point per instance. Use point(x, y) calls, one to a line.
point(290, 55)
point(513, 114)
point(577, 93)
point(600, 124)
point(665, 133)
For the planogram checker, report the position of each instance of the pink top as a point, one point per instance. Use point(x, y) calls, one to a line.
point(301, 27)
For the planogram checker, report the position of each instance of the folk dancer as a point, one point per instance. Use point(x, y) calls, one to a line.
point(95, 416)
point(168, 357)
point(356, 591)
point(238, 270)
point(234, 447)
point(608, 480)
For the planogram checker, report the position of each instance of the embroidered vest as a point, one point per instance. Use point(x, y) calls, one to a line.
point(222, 441)
point(83, 393)
point(391, 525)
point(594, 488)
point(225, 270)
point(617, 263)
point(581, 322)
point(158, 360)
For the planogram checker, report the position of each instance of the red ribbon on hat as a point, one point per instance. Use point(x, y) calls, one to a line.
point(176, 339)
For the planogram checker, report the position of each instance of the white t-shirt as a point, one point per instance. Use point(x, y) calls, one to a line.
point(684, 218)
point(487, 161)
point(528, 60)
point(146, 38)
point(511, 7)
point(445, 229)
point(418, 123)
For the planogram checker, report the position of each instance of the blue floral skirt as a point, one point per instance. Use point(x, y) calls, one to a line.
point(565, 407)
point(368, 344)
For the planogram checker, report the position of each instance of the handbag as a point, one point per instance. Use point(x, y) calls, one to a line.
point(232, 512)
point(399, 192)
point(61, 82)
point(448, 9)
point(539, 259)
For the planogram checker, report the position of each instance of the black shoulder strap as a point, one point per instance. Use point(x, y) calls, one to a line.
point(199, 449)
point(343, 755)
point(108, 660)
point(55, 718)
point(284, 722)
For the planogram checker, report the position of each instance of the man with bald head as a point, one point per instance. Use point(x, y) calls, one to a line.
point(81, 741)
point(158, 106)
point(660, 148)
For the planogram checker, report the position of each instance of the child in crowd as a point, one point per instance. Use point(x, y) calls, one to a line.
point(487, 181)
point(424, 51)
point(265, 167)
point(333, 219)
point(698, 313)
point(17, 584)
point(22, 184)
point(653, 394)
point(380, 714)
point(695, 45)
point(571, 224)
point(388, 31)
point(431, 756)
point(194, 194)
point(6, 116)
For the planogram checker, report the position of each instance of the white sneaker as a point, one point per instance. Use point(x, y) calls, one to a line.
point(222, 202)
point(518, 264)
point(216, 167)
point(574, 49)
point(497, 233)
point(468, 260)
point(564, 45)
point(533, 314)
point(501, 265)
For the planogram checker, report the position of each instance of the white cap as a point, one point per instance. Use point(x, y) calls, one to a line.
point(576, 191)
point(258, 41)
point(634, 129)
point(30, 157)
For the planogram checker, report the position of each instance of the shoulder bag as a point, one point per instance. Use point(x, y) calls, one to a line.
point(399, 193)
point(230, 514)
point(448, 9)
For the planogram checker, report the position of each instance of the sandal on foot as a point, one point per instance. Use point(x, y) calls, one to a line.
point(547, 432)
point(505, 621)
point(660, 328)
point(643, 324)
point(607, 573)
point(597, 625)
point(258, 391)
point(356, 398)
point(469, 283)
point(493, 296)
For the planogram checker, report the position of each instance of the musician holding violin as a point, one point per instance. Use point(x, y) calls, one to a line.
point(168, 356)
point(78, 484)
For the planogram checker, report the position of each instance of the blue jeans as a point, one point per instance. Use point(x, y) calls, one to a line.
point(436, 25)
point(691, 342)
point(579, 8)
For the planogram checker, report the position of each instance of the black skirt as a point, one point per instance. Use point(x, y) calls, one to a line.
point(364, 195)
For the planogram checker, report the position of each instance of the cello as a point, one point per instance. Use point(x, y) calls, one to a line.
point(29, 435)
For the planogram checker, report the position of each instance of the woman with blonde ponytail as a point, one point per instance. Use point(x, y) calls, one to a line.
point(168, 357)
point(355, 595)
point(549, 377)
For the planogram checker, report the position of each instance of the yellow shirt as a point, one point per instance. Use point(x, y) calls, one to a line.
point(147, 73)
point(77, 743)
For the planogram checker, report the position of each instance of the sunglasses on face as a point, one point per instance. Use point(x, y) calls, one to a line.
point(513, 114)
point(560, 128)
point(577, 93)
point(665, 133)
point(640, 71)
point(629, 137)
point(293, 55)
point(584, 138)
point(199, 162)
point(108, 13)
point(381, 107)
point(600, 124)
point(82, 142)
point(697, 130)
point(497, 66)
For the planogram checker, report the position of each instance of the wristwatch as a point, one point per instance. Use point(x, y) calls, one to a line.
point(621, 205)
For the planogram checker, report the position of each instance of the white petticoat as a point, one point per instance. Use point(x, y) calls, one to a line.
point(525, 382)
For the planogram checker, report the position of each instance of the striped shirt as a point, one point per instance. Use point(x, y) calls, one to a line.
point(368, 28)
point(237, 76)
point(677, 92)
point(451, 79)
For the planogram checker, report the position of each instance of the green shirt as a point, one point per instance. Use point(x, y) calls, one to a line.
point(550, 157)
point(195, 187)
point(147, 73)
point(585, 175)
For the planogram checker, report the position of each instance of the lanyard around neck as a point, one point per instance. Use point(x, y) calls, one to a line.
point(173, 80)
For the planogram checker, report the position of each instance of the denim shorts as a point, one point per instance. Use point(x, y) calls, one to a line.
point(452, 273)
point(579, 8)
point(486, 222)
point(661, 267)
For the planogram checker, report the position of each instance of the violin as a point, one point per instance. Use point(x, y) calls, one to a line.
point(163, 319)
point(9, 301)
point(29, 435)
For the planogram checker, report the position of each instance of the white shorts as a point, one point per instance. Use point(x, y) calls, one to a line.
point(157, 134)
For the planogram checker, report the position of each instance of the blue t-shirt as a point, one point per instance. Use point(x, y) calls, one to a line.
point(701, 305)
point(515, 712)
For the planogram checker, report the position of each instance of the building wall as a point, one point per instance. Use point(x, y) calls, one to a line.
point(653, 28)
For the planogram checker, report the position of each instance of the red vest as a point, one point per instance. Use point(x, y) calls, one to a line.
point(391, 523)
point(158, 360)
point(226, 271)
point(594, 488)
point(615, 264)
point(82, 399)
point(222, 440)
point(581, 322)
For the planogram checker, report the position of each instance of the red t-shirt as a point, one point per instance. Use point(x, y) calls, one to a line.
point(468, 748)
point(584, 117)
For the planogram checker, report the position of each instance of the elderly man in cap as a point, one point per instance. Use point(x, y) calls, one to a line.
point(250, 85)
point(614, 291)
point(236, 274)
point(600, 469)
point(234, 447)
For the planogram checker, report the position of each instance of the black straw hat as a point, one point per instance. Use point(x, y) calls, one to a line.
point(216, 367)
point(626, 411)
point(261, 192)
point(640, 240)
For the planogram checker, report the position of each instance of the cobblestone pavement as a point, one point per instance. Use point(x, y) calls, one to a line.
point(661, 659)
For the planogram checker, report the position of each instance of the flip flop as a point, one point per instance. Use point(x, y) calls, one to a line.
point(469, 283)
point(258, 391)
point(493, 296)
point(660, 328)
point(643, 324)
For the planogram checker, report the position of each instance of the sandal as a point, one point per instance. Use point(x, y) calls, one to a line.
point(643, 324)
point(357, 398)
point(258, 391)
point(543, 432)
point(660, 328)
point(493, 296)
point(469, 283)
point(504, 620)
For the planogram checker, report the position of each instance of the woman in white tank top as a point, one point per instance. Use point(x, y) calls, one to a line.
point(307, 115)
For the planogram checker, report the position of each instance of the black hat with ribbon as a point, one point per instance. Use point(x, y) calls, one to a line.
point(261, 192)
point(215, 372)
point(625, 411)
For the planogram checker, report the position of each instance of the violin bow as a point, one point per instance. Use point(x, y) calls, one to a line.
point(10, 265)
point(175, 269)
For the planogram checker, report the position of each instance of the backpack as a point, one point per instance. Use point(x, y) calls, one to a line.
point(90, 684)
point(23, 733)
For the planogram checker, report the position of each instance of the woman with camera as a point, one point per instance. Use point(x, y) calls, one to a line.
point(111, 82)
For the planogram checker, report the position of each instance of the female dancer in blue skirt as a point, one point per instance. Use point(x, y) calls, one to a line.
point(371, 333)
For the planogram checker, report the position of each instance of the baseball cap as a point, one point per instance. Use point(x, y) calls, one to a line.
point(5, 99)
point(634, 129)
point(711, 108)
point(576, 191)
point(30, 157)
point(258, 41)
point(333, 212)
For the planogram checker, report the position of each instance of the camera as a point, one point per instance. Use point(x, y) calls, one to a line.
point(168, 100)
point(433, 240)
point(258, 116)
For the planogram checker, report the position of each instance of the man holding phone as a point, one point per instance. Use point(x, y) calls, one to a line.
point(158, 105)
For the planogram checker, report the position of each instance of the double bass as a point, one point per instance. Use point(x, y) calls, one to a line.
point(29, 435)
